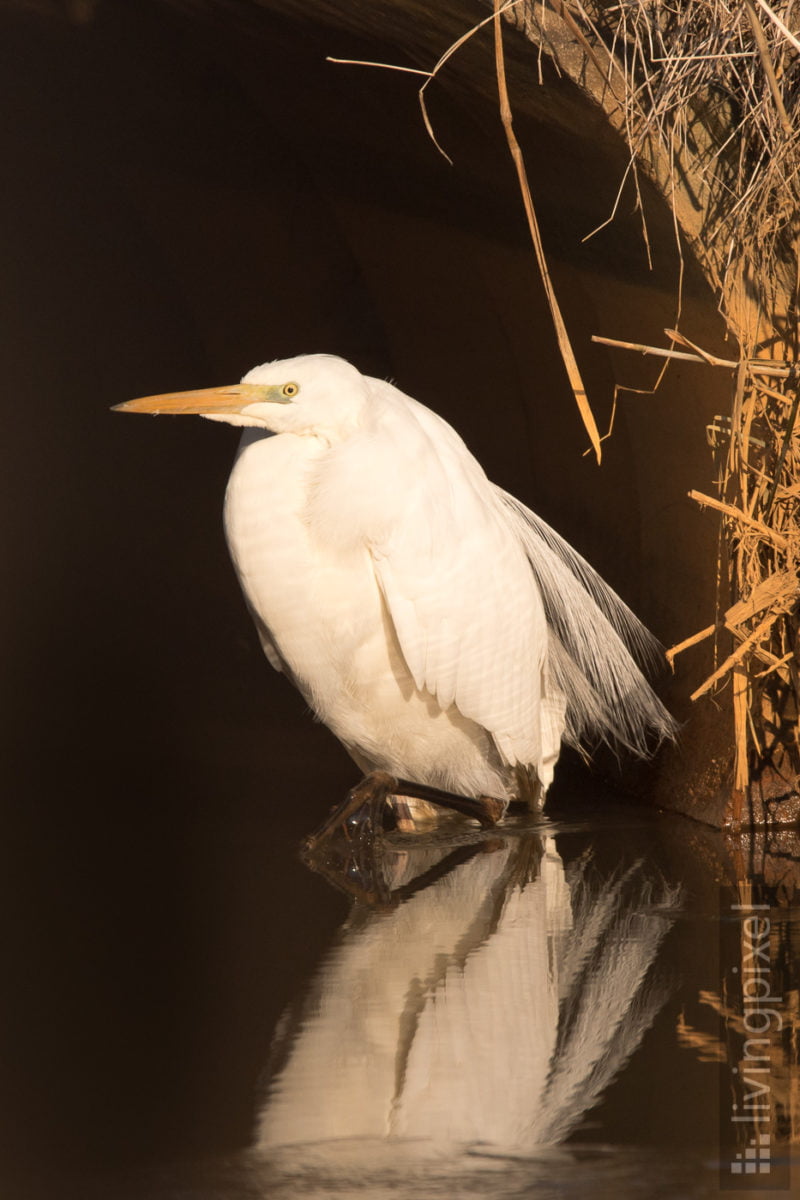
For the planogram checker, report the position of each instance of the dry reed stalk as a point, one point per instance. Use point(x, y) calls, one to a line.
point(502, 8)
point(731, 510)
point(778, 369)
point(564, 343)
point(734, 660)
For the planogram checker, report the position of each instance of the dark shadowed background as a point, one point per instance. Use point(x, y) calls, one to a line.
point(185, 195)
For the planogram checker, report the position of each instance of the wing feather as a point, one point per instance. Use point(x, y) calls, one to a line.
point(594, 640)
point(460, 592)
point(493, 611)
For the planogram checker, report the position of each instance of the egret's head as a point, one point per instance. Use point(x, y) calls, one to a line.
point(311, 394)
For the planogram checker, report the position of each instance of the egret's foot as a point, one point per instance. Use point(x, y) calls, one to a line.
point(347, 848)
point(359, 818)
point(360, 815)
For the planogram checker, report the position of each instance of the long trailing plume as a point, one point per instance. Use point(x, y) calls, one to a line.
point(594, 638)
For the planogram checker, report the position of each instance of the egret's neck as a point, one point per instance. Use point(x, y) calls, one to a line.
point(260, 450)
point(269, 480)
point(250, 436)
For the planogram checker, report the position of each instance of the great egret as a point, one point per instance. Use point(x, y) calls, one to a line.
point(446, 635)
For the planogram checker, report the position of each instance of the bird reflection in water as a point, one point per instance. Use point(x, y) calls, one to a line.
point(481, 1007)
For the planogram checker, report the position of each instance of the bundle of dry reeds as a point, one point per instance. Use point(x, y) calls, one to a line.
point(707, 95)
point(758, 456)
point(758, 453)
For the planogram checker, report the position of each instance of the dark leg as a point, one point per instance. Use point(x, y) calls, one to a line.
point(360, 816)
point(347, 847)
point(486, 809)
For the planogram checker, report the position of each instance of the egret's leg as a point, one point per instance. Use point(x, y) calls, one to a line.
point(486, 809)
point(361, 813)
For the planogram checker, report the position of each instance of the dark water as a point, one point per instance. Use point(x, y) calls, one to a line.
point(551, 1009)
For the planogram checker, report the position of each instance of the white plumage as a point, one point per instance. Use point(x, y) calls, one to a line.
point(440, 629)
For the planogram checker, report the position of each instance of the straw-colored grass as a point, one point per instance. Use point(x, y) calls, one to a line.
point(757, 450)
point(707, 95)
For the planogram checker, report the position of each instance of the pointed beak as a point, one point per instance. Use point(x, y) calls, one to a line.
point(221, 400)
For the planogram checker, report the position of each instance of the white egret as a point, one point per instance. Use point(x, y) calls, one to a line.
point(446, 635)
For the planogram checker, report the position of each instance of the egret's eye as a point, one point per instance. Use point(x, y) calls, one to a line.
point(290, 389)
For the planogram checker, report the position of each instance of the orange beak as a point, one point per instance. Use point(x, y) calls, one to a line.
point(231, 399)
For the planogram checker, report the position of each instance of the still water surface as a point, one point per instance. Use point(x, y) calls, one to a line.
point(553, 1009)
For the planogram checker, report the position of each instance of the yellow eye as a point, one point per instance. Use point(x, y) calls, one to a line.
point(290, 389)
